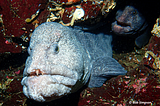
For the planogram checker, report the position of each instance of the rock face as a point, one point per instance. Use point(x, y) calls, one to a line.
point(63, 59)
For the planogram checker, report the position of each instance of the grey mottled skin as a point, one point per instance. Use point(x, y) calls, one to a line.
point(63, 59)
point(130, 22)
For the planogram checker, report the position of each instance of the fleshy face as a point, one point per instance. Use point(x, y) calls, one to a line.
point(52, 64)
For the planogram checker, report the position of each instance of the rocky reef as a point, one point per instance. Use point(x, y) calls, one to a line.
point(79, 10)
point(13, 23)
point(18, 19)
point(140, 86)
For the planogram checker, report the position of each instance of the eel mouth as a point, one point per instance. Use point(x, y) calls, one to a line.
point(43, 85)
point(58, 76)
point(121, 28)
point(47, 87)
point(60, 69)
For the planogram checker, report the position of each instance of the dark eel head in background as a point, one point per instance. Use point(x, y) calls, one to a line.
point(128, 21)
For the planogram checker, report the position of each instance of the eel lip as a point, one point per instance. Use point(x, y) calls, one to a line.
point(123, 24)
point(54, 79)
point(120, 28)
point(47, 87)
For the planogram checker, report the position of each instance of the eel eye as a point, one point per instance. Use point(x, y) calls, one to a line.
point(134, 12)
point(56, 49)
point(29, 50)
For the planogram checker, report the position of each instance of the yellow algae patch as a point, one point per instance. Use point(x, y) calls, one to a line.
point(156, 28)
point(156, 63)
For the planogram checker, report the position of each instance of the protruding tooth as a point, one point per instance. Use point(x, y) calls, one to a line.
point(37, 72)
